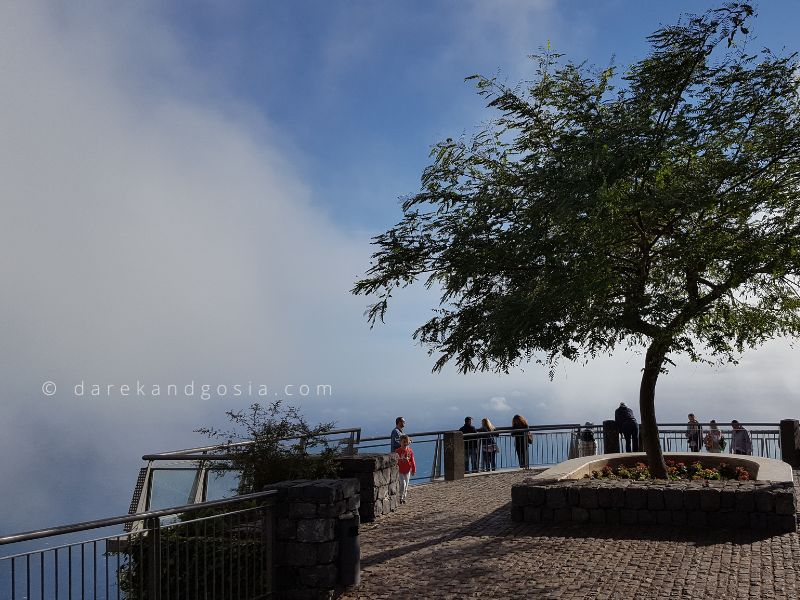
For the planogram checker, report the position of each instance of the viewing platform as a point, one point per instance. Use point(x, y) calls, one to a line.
point(456, 539)
point(192, 532)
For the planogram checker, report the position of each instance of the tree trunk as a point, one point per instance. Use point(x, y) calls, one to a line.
point(653, 362)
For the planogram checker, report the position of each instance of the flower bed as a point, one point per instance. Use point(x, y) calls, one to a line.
point(697, 495)
point(676, 470)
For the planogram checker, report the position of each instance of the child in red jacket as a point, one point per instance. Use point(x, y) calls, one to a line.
point(406, 465)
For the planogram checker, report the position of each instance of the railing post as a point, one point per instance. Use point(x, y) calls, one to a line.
point(610, 437)
point(351, 444)
point(790, 442)
point(453, 455)
point(268, 529)
point(440, 461)
point(436, 449)
point(153, 538)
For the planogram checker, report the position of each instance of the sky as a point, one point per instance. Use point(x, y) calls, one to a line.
point(188, 193)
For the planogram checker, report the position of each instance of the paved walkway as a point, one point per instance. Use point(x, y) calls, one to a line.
point(456, 540)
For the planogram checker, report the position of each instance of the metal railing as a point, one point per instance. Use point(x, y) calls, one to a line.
point(220, 549)
point(350, 438)
point(550, 445)
point(765, 437)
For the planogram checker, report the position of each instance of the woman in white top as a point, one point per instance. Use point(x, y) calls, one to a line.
point(714, 440)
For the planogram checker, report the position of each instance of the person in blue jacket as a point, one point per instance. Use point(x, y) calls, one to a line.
point(399, 423)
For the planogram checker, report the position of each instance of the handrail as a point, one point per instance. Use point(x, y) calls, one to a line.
point(190, 451)
point(555, 427)
point(503, 428)
point(719, 424)
point(108, 522)
point(519, 430)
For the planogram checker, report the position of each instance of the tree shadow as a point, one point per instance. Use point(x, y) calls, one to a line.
point(408, 537)
point(452, 553)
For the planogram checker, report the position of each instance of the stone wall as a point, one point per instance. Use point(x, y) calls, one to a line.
point(790, 442)
point(379, 479)
point(309, 529)
point(714, 504)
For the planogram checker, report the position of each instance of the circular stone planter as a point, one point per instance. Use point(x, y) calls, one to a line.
point(761, 469)
point(562, 494)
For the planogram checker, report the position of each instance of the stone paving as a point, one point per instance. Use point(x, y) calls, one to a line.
point(457, 540)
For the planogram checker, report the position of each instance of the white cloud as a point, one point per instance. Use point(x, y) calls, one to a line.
point(146, 234)
point(497, 403)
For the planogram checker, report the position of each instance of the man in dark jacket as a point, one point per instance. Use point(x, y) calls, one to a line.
point(470, 446)
point(628, 427)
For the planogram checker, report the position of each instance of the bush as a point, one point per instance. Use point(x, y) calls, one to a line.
point(284, 447)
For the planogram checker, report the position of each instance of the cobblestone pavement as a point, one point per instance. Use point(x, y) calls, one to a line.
point(457, 540)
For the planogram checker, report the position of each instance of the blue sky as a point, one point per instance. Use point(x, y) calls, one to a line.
point(189, 190)
point(360, 90)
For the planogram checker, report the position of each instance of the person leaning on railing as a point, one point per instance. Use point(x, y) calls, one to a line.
point(628, 427)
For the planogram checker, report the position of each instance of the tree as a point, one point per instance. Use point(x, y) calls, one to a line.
point(657, 208)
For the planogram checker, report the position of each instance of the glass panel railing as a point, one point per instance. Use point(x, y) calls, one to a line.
point(221, 484)
point(172, 487)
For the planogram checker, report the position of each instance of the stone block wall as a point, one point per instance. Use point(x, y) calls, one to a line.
point(714, 504)
point(378, 477)
point(308, 533)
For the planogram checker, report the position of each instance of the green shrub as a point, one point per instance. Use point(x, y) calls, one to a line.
point(284, 447)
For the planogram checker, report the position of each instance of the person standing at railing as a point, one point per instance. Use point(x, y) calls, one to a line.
point(587, 446)
point(470, 446)
point(399, 423)
point(522, 438)
point(406, 465)
point(714, 441)
point(489, 447)
point(628, 427)
point(740, 439)
point(694, 433)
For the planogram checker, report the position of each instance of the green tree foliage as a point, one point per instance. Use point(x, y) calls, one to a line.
point(655, 208)
point(273, 443)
